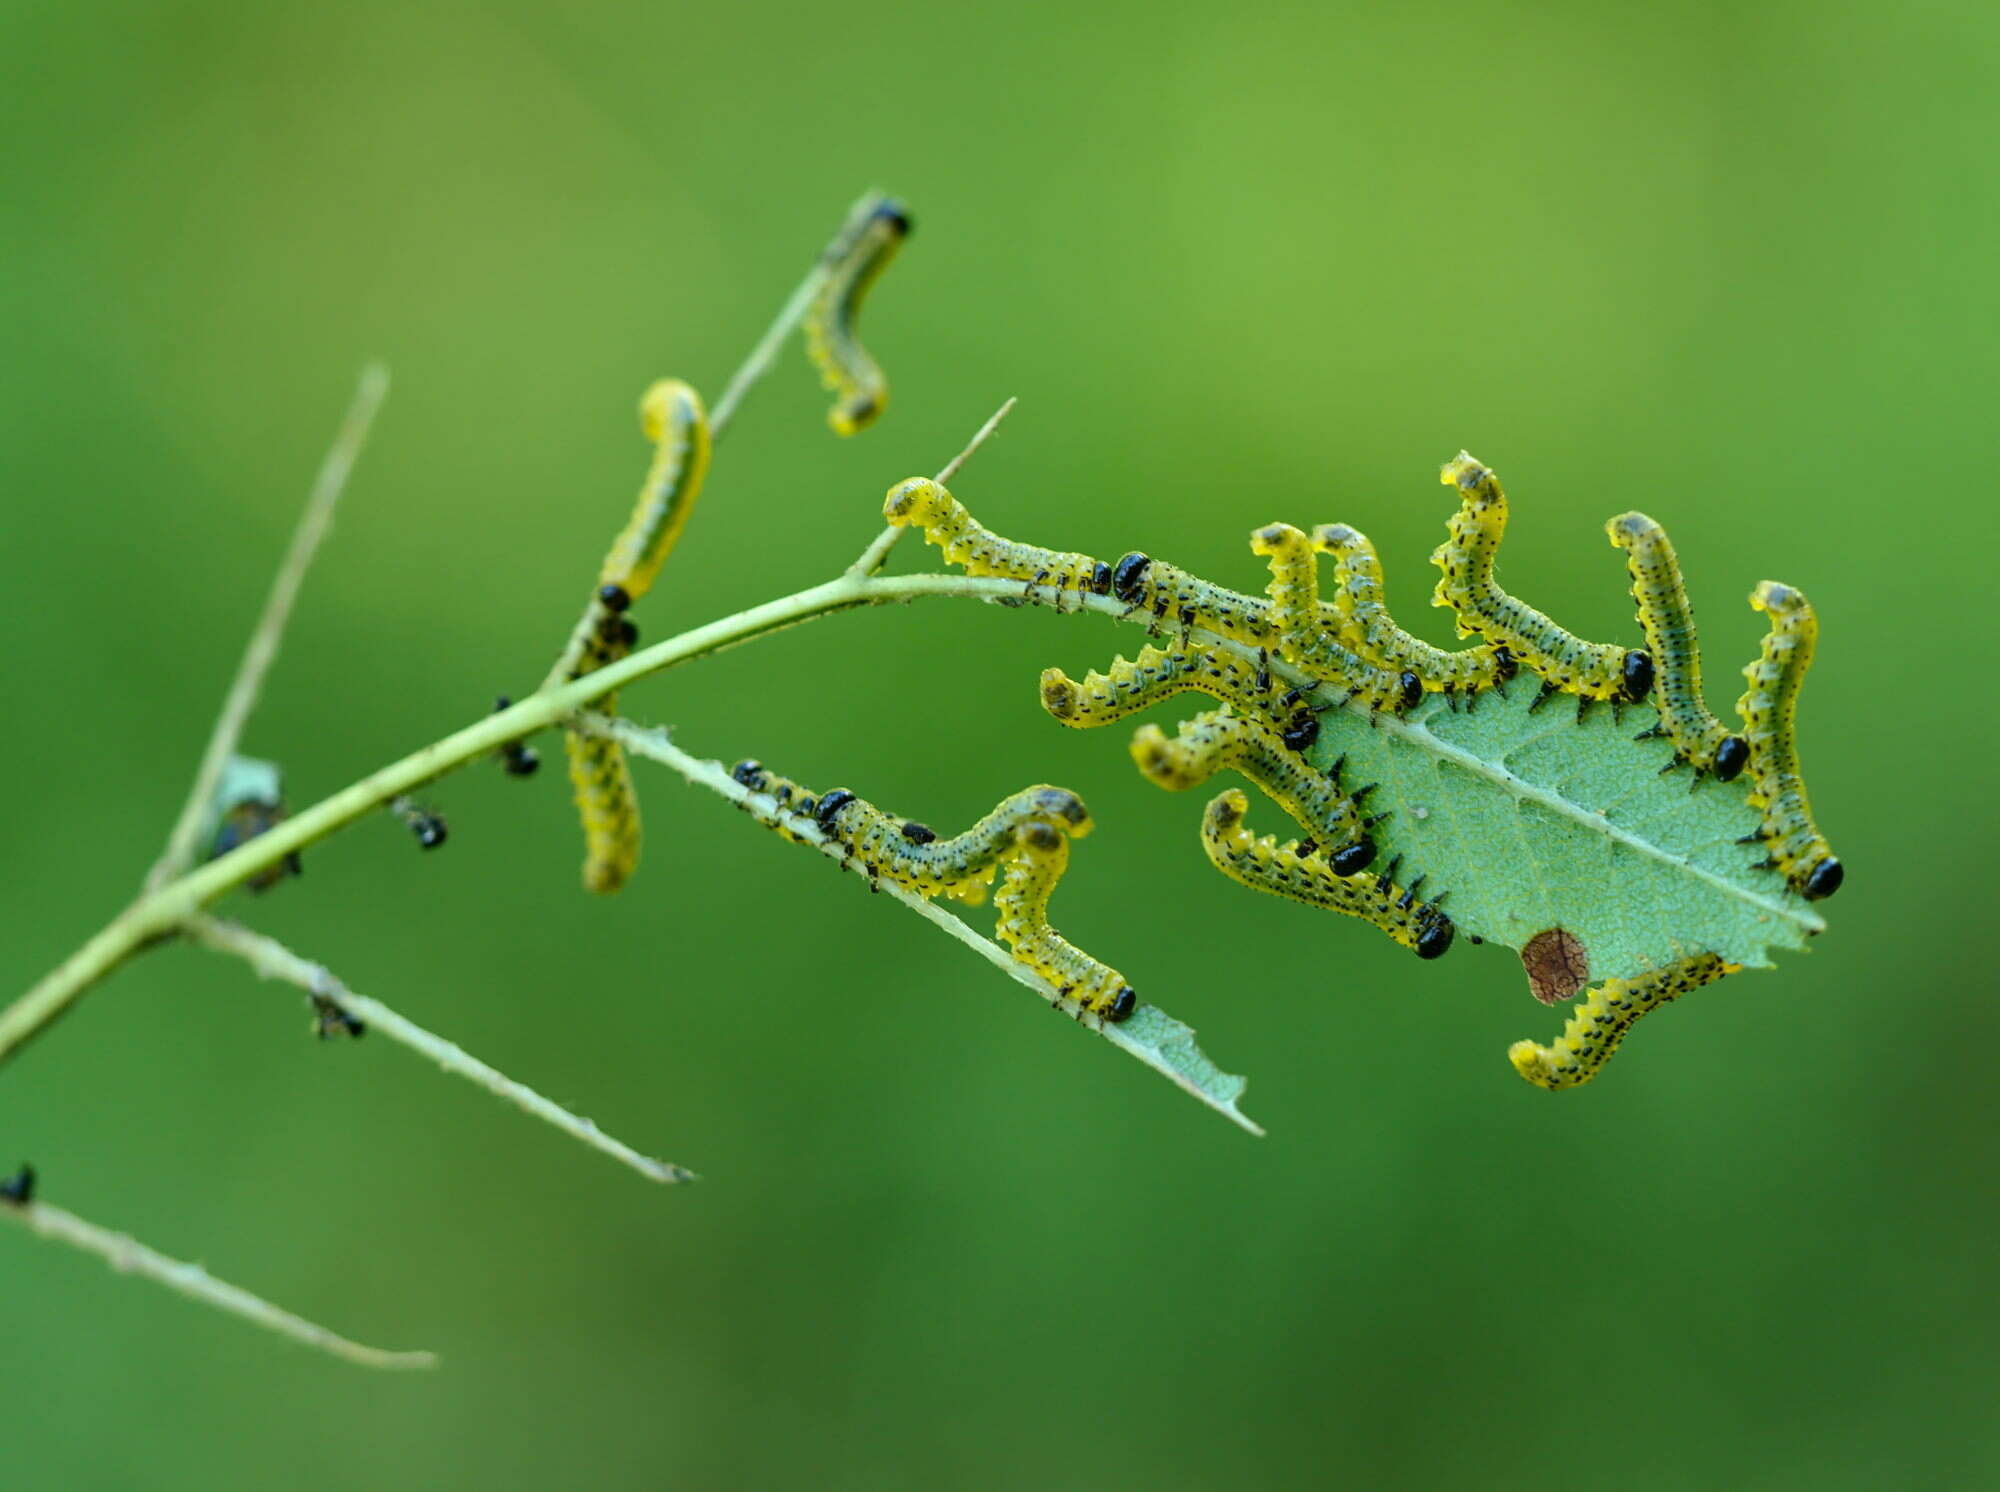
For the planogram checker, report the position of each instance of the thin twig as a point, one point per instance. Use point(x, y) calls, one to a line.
point(257, 657)
point(877, 553)
point(129, 1256)
point(748, 374)
point(273, 960)
point(1171, 1050)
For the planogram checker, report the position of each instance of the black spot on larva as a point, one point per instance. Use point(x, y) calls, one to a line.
point(918, 833)
point(831, 805)
point(749, 772)
point(1128, 576)
point(1731, 757)
point(1411, 689)
point(896, 218)
point(1637, 675)
point(1505, 665)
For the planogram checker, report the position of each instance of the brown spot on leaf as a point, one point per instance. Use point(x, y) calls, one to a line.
point(1558, 964)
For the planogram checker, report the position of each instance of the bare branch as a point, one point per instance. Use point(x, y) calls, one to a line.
point(877, 553)
point(129, 1256)
point(273, 960)
point(1151, 1035)
point(270, 630)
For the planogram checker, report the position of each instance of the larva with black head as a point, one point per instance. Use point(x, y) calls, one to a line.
point(1601, 1019)
point(1593, 670)
point(606, 800)
point(860, 390)
point(946, 522)
point(1793, 845)
point(1159, 674)
point(673, 417)
point(1215, 740)
point(1176, 598)
point(1300, 874)
point(1667, 619)
point(1038, 858)
point(1309, 631)
point(1371, 631)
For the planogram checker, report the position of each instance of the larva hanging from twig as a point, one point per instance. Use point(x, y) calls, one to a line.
point(861, 391)
point(1793, 845)
point(1592, 670)
point(606, 800)
point(1294, 871)
point(1601, 1019)
point(672, 415)
point(1700, 740)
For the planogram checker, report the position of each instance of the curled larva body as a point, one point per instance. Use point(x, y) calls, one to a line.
point(1215, 740)
point(855, 379)
point(1158, 674)
point(1309, 632)
point(1372, 632)
point(1040, 855)
point(1793, 844)
point(606, 800)
point(1594, 670)
point(1667, 619)
point(1174, 596)
point(1293, 871)
point(969, 544)
point(1601, 1019)
point(673, 418)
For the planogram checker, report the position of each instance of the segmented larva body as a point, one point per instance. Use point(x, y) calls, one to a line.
point(1215, 740)
point(1601, 1019)
point(861, 392)
point(1309, 633)
point(1173, 595)
point(1372, 632)
point(606, 800)
point(1667, 619)
point(911, 854)
point(673, 418)
point(1040, 855)
point(1162, 673)
point(1291, 870)
point(969, 544)
point(1593, 670)
point(1793, 844)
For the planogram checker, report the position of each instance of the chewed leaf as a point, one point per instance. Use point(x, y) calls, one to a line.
point(1170, 1048)
point(1538, 820)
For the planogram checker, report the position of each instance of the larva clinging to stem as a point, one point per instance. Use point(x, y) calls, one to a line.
point(1309, 632)
point(1040, 855)
point(1372, 632)
point(1601, 1019)
point(672, 415)
point(861, 392)
point(1793, 845)
point(1667, 619)
point(1593, 670)
point(1161, 673)
point(975, 548)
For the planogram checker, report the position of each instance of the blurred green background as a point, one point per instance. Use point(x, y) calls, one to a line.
point(1732, 264)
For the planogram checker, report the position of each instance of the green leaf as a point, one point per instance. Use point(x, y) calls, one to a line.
point(1533, 821)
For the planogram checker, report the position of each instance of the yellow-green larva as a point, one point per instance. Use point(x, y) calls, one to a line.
point(1215, 740)
point(1162, 673)
point(673, 418)
point(1309, 631)
point(606, 800)
point(1293, 870)
point(1601, 1019)
point(969, 544)
point(1700, 740)
point(1040, 855)
point(855, 379)
point(1593, 670)
point(1793, 845)
point(1372, 632)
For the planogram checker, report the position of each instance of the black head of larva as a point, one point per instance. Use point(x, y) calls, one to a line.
point(1434, 934)
point(896, 218)
point(1731, 757)
point(1128, 576)
point(830, 806)
point(1409, 690)
point(614, 597)
point(1122, 1004)
point(749, 772)
point(1636, 677)
point(917, 833)
point(1099, 582)
point(19, 1188)
point(1352, 859)
point(1822, 880)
